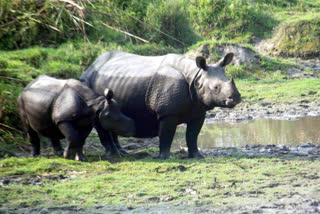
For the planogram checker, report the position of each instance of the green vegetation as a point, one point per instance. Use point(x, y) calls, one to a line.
point(148, 182)
point(25, 23)
point(279, 90)
point(230, 19)
point(298, 37)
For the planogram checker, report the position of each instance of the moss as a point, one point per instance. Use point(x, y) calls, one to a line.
point(299, 37)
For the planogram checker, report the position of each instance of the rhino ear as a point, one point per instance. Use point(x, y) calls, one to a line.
point(108, 93)
point(226, 60)
point(201, 62)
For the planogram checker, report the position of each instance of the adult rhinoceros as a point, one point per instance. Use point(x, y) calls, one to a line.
point(161, 92)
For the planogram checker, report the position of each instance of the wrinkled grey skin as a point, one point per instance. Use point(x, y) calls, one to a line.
point(161, 92)
point(67, 109)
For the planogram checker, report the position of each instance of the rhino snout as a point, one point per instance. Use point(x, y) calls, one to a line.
point(232, 101)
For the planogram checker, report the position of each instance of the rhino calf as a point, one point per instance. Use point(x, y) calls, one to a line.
point(68, 109)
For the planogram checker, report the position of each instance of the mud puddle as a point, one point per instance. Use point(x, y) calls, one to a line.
point(294, 131)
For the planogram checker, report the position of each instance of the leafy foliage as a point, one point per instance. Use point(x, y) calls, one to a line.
point(25, 23)
point(169, 17)
point(298, 37)
point(229, 18)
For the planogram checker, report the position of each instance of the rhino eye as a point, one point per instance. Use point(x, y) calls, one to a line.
point(217, 88)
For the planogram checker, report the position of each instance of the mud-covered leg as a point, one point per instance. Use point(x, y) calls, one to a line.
point(167, 129)
point(107, 141)
point(75, 140)
point(193, 130)
point(56, 146)
point(34, 140)
point(121, 150)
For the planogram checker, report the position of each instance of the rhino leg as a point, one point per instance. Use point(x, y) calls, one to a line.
point(56, 146)
point(193, 130)
point(107, 141)
point(34, 140)
point(80, 156)
point(167, 130)
point(121, 150)
point(75, 137)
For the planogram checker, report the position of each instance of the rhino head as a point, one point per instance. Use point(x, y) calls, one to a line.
point(213, 87)
point(112, 119)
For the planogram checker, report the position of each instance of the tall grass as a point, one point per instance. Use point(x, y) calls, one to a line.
point(26, 23)
point(229, 18)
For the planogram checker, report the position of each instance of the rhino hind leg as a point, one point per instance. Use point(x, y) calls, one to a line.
point(193, 130)
point(34, 140)
point(75, 137)
point(57, 146)
point(167, 130)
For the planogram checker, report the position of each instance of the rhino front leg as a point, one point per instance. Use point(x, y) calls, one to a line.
point(34, 140)
point(75, 137)
point(107, 141)
point(167, 130)
point(57, 146)
point(121, 150)
point(193, 130)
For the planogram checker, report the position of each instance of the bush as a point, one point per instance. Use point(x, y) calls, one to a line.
point(298, 37)
point(280, 3)
point(150, 49)
point(169, 16)
point(229, 18)
point(25, 23)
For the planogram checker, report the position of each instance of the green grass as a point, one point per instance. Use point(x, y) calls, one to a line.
point(279, 90)
point(148, 182)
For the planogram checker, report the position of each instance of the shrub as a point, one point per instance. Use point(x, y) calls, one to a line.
point(169, 16)
point(298, 37)
point(229, 18)
point(25, 23)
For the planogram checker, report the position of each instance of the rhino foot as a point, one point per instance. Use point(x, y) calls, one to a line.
point(123, 151)
point(165, 155)
point(81, 157)
point(196, 154)
point(119, 152)
point(70, 153)
point(35, 155)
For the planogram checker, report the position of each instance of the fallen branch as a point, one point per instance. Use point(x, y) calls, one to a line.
point(14, 79)
point(129, 34)
point(9, 127)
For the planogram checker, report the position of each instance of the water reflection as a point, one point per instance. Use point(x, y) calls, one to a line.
point(263, 132)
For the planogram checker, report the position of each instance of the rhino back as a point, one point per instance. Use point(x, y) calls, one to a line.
point(69, 106)
point(36, 101)
point(127, 75)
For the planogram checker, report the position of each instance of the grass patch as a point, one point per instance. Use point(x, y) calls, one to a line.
point(279, 90)
point(299, 37)
point(148, 182)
